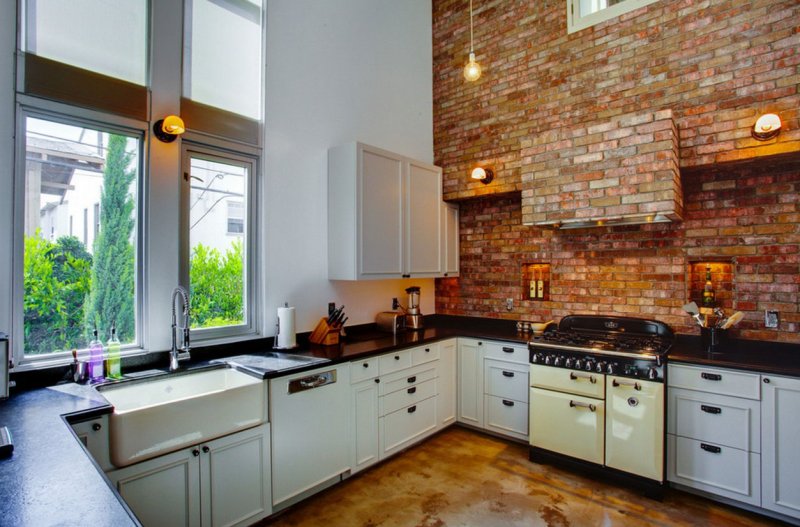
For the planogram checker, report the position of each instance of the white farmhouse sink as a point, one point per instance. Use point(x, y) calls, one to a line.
point(164, 414)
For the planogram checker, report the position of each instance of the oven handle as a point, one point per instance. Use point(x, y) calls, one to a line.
point(636, 386)
point(578, 404)
point(575, 376)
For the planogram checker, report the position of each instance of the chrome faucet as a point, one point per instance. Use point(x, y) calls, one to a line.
point(177, 354)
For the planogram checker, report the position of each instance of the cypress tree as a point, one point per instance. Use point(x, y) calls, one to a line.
point(111, 298)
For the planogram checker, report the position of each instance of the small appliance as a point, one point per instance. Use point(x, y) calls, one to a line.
point(390, 321)
point(413, 316)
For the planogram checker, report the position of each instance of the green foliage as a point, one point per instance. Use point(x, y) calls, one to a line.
point(57, 278)
point(112, 296)
point(216, 286)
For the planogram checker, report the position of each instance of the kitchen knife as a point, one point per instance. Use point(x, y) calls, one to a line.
point(335, 314)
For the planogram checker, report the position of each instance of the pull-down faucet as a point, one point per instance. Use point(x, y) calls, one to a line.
point(178, 354)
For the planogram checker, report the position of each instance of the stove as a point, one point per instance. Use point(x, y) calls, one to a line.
point(597, 396)
point(628, 347)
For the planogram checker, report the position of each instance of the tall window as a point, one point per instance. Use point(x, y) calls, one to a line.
point(72, 286)
point(218, 266)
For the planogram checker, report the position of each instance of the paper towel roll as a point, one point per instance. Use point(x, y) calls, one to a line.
point(286, 337)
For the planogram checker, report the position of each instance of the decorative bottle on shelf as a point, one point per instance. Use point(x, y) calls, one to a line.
point(532, 284)
point(113, 369)
point(540, 283)
point(95, 359)
point(709, 297)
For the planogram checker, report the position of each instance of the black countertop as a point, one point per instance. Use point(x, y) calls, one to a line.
point(50, 479)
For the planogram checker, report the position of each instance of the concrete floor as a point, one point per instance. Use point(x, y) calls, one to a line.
point(465, 478)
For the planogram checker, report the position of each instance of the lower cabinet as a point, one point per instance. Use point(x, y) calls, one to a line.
point(448, 379)
point(224, 482)
point(366, 436)
point(780, 430)
point(470, 382)
point(93, 433)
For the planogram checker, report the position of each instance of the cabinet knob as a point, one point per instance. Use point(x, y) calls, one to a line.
point(206, 450)
point(427, 350)
point(377, 381)
point(397, 357)
point(96, 426)
point(195, 452)
point(766, 380)
point(366, 365)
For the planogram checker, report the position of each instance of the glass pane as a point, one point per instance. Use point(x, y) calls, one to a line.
point(104, 36)
point(79, 270)
point(217, 242)
point(222, 55)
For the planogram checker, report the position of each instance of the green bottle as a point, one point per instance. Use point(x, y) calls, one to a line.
point(113, 368)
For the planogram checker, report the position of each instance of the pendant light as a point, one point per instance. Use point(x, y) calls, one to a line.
point(472, 70)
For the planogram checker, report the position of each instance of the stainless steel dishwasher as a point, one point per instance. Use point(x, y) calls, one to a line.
point(310, 432)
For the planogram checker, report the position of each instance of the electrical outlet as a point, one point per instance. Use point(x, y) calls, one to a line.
point(771, 319)
point(395, 303)
point(509, 304)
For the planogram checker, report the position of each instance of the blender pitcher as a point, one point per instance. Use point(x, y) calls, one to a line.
point(413, 316)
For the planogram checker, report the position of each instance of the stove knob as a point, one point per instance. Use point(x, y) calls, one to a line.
point(558, 361)
point(548, 359)
point(611, 369)
point(569, 363)
point(601, 367)
point(535, 357)
point(589, 365)
point(652, 373)
point(578, 364)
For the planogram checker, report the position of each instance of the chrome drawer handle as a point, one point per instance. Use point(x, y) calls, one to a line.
point(711, 376)
point(636, 386)
point(578, 404)
point(575, 376)
point(710, 448)
point(313, 382)
point(508, 374)
point(711, 409)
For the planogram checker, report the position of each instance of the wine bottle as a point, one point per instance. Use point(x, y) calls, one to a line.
point(709, 297)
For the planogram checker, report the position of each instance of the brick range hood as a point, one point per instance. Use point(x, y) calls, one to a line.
point(614, 172)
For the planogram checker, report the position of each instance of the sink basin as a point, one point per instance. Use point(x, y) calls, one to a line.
point(155, 416)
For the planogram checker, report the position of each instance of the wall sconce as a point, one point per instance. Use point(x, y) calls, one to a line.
point(484, 175)
point(767, 127)
point(168, 128)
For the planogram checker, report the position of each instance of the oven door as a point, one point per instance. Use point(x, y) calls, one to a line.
point(635, 426)
point(572, 425)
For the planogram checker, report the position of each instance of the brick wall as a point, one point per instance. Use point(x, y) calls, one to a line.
point(715, 64)
point(747, 214)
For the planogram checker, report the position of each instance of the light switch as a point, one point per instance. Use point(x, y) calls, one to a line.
point(771, 319)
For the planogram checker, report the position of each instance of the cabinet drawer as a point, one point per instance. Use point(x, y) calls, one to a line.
point(718, 469)
point(507, 416)
point(715, 380)
point(718, 419)
point(424, 354)
point(568, 424)
point(407, 425)
point(407, 396)
point(407, 378)
point(578, 382)
point(395, 361)
point(506, 380)
point(503, 351)
point(364, 369)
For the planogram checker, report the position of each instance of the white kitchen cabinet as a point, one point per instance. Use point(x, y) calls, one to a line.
point(451, 239)
point(780, 430)
point(384, 215)
point(470, 382)
point(93, 433)
point(366, 438)
point(221, 482)
point(448, 378)
point(311, 438)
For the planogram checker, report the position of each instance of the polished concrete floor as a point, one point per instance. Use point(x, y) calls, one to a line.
point(465, 478)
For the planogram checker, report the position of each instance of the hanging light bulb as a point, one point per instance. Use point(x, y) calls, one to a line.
point(472, 70)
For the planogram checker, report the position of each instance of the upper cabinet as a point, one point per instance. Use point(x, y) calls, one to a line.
point(385, 216)
point(451, 233)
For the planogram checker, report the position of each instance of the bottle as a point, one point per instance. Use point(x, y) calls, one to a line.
point(95, 359)
point(113, 369)
point(540, 283)
point(708, 290)
point(532, 288)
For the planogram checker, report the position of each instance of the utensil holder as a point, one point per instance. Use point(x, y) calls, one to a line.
point(712, 339)
point(325, 334)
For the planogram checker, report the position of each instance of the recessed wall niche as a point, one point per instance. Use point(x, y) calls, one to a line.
point(536, 281)
point(722, 283)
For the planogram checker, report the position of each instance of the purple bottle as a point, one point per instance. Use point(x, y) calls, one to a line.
point(96, 359)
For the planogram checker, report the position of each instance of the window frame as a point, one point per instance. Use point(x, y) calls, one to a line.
point(197, 147)
point(576, 22)
point(28, 106)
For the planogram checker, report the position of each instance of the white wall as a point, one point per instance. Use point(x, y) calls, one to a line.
point(337, 72)
point(7, 46)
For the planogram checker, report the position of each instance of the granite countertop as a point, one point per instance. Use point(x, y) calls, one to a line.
point(51, 480)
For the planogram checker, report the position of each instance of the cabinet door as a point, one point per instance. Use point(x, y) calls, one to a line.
point(380, 198)
point(366, 441)
point(447, 382)
point(780, 458)
point(470, 382)
point(94, 436)
point(424, 220)
point(451, 239)
point(568, 424)
point(235, 478)
point(164, 490)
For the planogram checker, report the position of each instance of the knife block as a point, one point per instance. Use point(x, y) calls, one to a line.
point(325, 334)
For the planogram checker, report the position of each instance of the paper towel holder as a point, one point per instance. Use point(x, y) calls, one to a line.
point(277, 339)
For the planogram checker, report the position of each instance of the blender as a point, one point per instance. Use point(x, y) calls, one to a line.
point(413, 316)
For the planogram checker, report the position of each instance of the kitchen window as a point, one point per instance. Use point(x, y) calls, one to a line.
point(586, 13)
